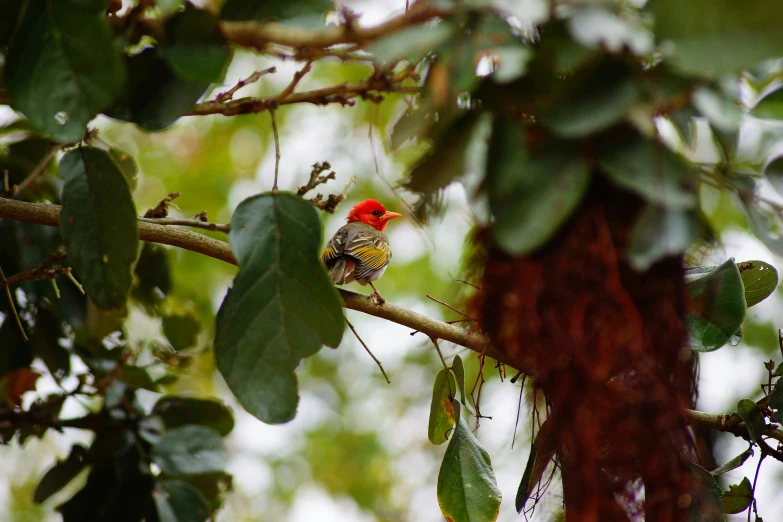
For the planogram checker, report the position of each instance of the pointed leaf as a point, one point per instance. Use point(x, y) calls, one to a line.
point(738, 498)
point(706, 500)
point(542, 450)
point(734, 463)
point(63, 472)
point(190, 450)
point(759, 279)
point(716, 307)
point(753, 417)
point(63, 67)
point(459, 372)
point(282, 307)
point(467, 489)
point(442, 414)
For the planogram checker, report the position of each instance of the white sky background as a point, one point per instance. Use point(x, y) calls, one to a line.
point(317, 133)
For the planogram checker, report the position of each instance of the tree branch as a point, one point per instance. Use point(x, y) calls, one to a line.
point(727, 423)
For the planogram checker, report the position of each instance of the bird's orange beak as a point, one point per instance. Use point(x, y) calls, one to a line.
point(390, 215)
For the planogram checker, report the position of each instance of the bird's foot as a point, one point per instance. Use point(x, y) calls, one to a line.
point(379, 300)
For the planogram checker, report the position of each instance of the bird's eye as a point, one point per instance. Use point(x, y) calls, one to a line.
point(376, 213)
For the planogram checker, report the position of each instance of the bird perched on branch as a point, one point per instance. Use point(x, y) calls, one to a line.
point(360, 251)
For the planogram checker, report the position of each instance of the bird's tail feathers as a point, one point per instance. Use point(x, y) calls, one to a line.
point(341, 271)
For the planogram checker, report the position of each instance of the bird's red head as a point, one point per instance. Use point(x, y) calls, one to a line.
point(371, 212)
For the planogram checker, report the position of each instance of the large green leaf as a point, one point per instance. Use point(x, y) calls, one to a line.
point(442, 411)
point(181, 502)
point(759, 279)
point(467, 490)
point(716, 306)
point(706, 500)
point(180, 411)
point(190, 450)
point(281, 308)
point(194, 48)
point(531, 193)
point(63, 472)
point(738, 498)
point(713, 37)
point(98, 223)
point(652, 171)
point(63, 67)
point(660, 232)
point(277, 11)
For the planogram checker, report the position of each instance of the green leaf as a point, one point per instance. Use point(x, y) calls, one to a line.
point(62, 473)
point(153, 276)
point(98, 223)
point(765, 223)
point(180, 411)
point(155, 96)
point(753, 417)
point(238, 10)
point(759, 279)
point(282, 307)
point(181, 502)
point(181, 330)
point(714, 37)
point(442, 414)
point(770, 107)
point(190, 450)
point(127, 165)
point(63, 67)
point(45, 343)
point(531, 193)
point(734, 463)
point(467, 490)
point(542, 450)
point(776, 401)
point(411, 44)
point(652, 171)
point(660, 232)
point(716, 306)
point(195, 48)
point(15, 353)
point(459, 372)
point(706, 500)
point(137, 377)
point(738, 498)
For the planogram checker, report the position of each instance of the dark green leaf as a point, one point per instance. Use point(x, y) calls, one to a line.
point(98, 223)
point(738, 498)
point(181, 330)
point(542, 451)
point(531, 193)
point(263, 11)
point(190, 450)
point(9, 16)
point(127, 165)
point(765, 223)
point(442, 414)
point(15, 353)
point(753, 417)
point(155, 97)
point(652, 171)
point(776, 401)
point(45, 342)
point(180, 411)
point(459, 373)
point(181, 502)
point(213, 486)
point(411, 44)
point(282, 307)
point(660, 232)
point(63, 472)
point(137, 377)
point(734, 463)
point(467, 490)
point(770, 107)
point(759, 279)
point(195, 48)
point(706, 500)
point(63, 67)
point(710, 37)
point(716, 306)
point(153, 276)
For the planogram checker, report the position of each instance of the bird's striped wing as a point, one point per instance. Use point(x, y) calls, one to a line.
point(372, 253)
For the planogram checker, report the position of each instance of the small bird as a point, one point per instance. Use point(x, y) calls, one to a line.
point(360, 251)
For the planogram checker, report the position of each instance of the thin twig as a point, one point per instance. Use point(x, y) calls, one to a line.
point(40, 271)
point(76, 283)
point(277, 148)
point(161, 210)
point(329, 205)
point(437, 348)
point(451, 307)
point(37, 171)
point(378, 362)
point(471, 284)
point(298, 75)
point(519, 411)
point(316, 178)
point(194, 223)
point(229, 94)
point(11, 302)
point(753, 490)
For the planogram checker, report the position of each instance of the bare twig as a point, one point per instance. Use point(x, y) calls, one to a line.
point(329, 205)
point(728, 423)
point(378, 362)
point(519, 411)
point(11, 302)
point(195, 223)
point(229, 94)
point(316, 178)
point(298, 75)
point(469, 284)
point(451, 307)
point(37, 171)
point(437, 348)
point(277, 149)
point(161, 210)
